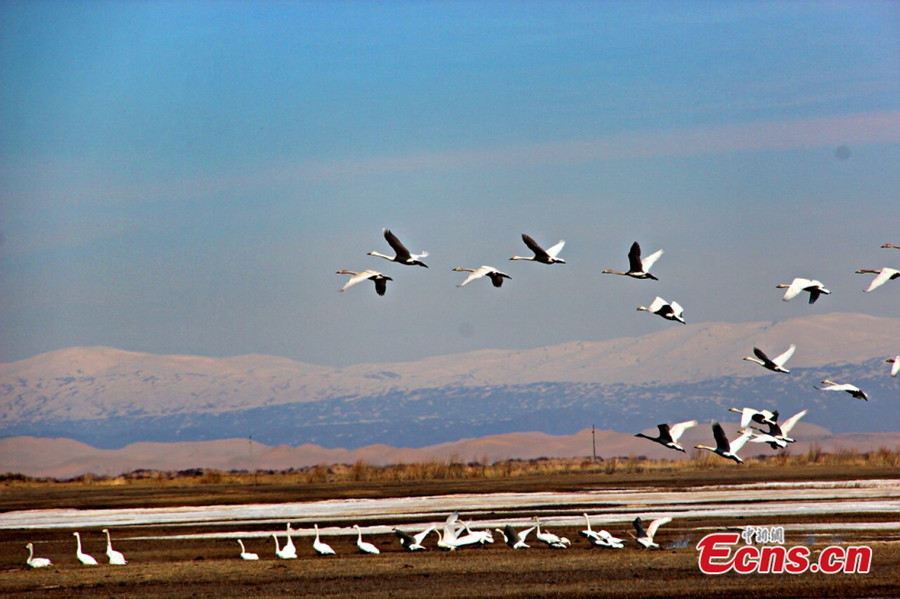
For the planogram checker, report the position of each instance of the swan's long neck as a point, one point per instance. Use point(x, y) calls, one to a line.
point(380, 255)
point(30, 552)
point(614, 272)
point(277, 548)
point(78, 539)
point(108, 541)
point(522, 258)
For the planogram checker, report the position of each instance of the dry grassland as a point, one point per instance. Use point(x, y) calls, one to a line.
point(210, 568)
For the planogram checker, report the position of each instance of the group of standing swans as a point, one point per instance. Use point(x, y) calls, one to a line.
point(450, 537)
point(115, 557)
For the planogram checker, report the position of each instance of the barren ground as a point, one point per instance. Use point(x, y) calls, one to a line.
point(210, 568)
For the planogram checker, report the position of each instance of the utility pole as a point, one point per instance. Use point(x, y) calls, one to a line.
point(252, 467)
point(594, 443)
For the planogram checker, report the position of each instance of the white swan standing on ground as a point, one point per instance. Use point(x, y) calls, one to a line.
point(83, 557)
point(289, 547)
point(364, 546)
point(669, 311)
point(36, 562)
point(853, 390)
point(281, 553)
point(552, 540)
point(776, 364)
point(442, 542)
point(724, 448)
point(645, 537)
point(607, 540)
point(814, 287)
point(669, 435)
point(245, 555)
point(373, 275)
point(115, 557)
point(884, 275)
point(749, 415)
point(320, 547)
point(600, 538)
point(483, 536)
point(413, 542)
point(638, 268)
point(541, 255)
point(495, 275)
point(895, 365)
point(401, 254)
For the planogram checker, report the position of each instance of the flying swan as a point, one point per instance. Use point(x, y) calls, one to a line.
point(401, 254)
point(814, 287)
point(661, 307)
point(749, 415)
point(637, 268)
point(540, 254)
point(776, 364)
point(781, 431)
point(723, 447)
point(895, 365)
point(489, 271)
point(373, 275)
point(884, 275)
point(853, 390)
point(669, 435)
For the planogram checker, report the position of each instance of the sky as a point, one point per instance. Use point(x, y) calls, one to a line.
point(187, 177)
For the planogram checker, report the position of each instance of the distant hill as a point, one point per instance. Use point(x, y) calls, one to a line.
point(109, 397)
point(65, 458)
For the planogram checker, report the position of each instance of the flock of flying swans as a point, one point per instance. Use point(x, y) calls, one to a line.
point(777, 434)
point(449, 536)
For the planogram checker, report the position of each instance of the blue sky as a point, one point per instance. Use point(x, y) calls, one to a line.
point(186, 177)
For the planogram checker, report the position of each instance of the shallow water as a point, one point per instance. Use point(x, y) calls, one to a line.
point(606, 507)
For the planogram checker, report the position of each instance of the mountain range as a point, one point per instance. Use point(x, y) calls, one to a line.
point(110, 398)
point(66, 458)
